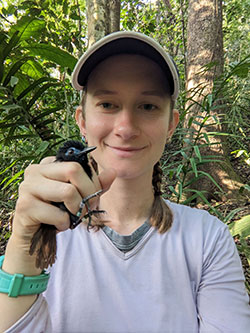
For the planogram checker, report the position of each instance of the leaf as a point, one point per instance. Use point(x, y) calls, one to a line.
point(184, 154)
point(12, 137)
point(33, 69)
point(180, 189)
point(45, 122)
point(12, 43)
point(201, 195)
point(5, 126)
point(47, 112)
point(34, 85)
point(13, 81)
point(190, 121)
point(27, 27)
point(211, 178)
point(54, 54)
point(43, 146)
point(40, 92)
point(242, 70)
point(241, 227)
point(173, 190)
point(13, 70)
point(65, 7)
point(18, 174)
point(210, 99)
point(179, 169)
point(8, 167)
point(22, 84)
point(231, 214)
point(194, 167)
point(74, 16)
point(197, 153)
point(206, 137)
point(10, 106)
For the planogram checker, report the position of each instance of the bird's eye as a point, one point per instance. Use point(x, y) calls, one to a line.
point(70, 151)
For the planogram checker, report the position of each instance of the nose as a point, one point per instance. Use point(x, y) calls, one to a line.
point(127, 126)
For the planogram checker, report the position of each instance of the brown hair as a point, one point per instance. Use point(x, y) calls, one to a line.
point(161, 216)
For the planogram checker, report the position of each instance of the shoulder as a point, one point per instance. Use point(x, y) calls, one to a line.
point(197, 229)
point(187, 217)
point(201, 237)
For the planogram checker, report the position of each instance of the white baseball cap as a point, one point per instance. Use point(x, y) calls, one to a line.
point(125, 42)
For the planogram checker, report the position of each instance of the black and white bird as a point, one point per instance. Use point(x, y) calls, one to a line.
point(44, 239)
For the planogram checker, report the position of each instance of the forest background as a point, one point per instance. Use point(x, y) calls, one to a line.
point(207, 163)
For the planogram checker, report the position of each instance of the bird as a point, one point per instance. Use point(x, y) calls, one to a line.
point(44, 239)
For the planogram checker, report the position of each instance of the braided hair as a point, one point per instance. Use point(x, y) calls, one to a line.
point(161, 216)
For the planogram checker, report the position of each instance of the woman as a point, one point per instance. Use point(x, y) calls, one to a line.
point(153, 266)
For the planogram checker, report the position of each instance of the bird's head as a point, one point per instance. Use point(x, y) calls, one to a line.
point(73, 151)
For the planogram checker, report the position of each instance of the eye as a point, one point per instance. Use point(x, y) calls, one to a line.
point(70, 151)
point(107, 105)
point(148, 107)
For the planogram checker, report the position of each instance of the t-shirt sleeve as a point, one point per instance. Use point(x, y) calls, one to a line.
point(37, 319)
point(222, 301)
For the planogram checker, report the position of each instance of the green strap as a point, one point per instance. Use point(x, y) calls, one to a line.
point(20, 285)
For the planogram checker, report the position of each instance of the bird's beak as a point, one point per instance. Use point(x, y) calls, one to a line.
point(87, 150)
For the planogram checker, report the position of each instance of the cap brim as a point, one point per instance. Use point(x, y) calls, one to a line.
point(130, 43)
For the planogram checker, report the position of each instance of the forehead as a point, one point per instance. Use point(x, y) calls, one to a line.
point(129, 69)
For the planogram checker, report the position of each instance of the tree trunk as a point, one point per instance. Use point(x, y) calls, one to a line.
point(103, 17)
point(205, 47)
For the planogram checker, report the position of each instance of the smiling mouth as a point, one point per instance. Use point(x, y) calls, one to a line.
point(126, 152)
point(126, 149)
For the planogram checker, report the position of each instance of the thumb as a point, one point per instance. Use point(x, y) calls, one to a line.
point(106, 178)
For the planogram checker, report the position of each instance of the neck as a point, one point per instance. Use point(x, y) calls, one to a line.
point(128, 204)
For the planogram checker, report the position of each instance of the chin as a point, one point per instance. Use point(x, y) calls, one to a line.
point(129, 174)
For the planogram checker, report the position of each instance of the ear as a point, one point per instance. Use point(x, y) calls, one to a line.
point(173, 123)
point(80, 120)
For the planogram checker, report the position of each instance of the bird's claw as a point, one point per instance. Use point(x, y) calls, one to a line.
point(78, 219)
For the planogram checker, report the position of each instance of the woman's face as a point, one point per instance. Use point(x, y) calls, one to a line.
point(127, 115)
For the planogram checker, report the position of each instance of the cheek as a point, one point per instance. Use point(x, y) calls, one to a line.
point(159, 132)
point(96, 129)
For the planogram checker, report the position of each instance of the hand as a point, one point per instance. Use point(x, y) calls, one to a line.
point(53, 182)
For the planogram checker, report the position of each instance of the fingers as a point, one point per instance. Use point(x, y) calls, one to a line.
point(47, 160)
point(54, 191)
point(31, 211)
point(68, 172)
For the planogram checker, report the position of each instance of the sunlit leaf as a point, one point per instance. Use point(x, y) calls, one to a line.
point(33, 69)
point(51, 53)
point(27, 26)
point(241, 227)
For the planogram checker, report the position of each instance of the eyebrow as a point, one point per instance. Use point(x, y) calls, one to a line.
point(145, 93)
point(104, 92)
point(153, 93)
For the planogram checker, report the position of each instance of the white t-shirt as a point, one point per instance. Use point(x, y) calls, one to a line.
point(188, 279)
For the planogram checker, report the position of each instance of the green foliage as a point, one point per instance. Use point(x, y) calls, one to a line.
point(191, 141)
point(34, 104)
point(241, 229)
point(188, 171)
point(64, 23)
point(236, 30)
